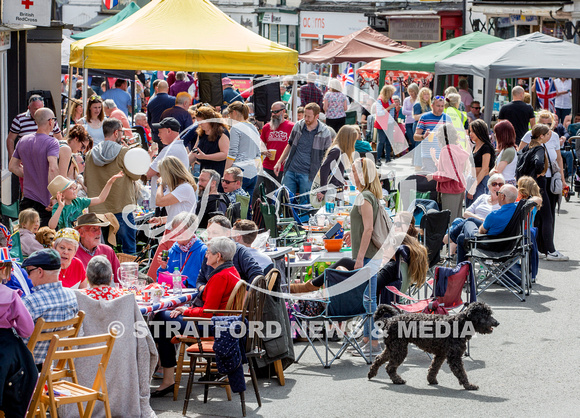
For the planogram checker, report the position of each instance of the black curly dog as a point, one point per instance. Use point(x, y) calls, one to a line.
point(476, 317)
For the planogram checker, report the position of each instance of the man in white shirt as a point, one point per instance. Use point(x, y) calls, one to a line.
point(563, 101)
point(168, 130)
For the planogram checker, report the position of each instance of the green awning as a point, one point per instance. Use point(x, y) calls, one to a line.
point(424, 58)
point(109, 22)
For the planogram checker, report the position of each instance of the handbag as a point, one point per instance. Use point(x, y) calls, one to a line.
point(314, 202)
point(381, 227)
point(556, 185)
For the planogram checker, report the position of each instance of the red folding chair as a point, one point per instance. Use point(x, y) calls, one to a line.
point(448, 284)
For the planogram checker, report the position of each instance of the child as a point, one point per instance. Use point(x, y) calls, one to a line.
point(29, 221)
point(69, 206)
point(18, 372)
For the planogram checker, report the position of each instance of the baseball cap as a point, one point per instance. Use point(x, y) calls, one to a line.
point(170, 123)
point(48, 259)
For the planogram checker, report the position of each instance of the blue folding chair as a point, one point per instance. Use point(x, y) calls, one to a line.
point(344, 300)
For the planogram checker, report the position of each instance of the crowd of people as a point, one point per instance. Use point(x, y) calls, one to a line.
point(208, 166)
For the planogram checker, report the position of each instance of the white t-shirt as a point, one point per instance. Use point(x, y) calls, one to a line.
point(482, 206)
point(509, 172)
point(563, 101)
point(553, 145)
point(262, 259)
point(176, 149)
point(187, 202)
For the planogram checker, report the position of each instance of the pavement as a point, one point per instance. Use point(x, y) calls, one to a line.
point(530, 365)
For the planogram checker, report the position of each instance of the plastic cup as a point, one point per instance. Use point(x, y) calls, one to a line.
point(272, 156)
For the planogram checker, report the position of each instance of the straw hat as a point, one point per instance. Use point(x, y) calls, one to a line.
point(59, 184)
point(101, 220)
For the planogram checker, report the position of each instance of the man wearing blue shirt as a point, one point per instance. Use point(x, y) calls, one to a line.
point(119, 95)
point(157, 106)
point(495, 222)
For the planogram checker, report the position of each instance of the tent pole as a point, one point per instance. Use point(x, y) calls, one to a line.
point(382, 75)
point(489, 95)
point(68, 106)
point(435, 80)
point(85, 88)
point(294, 100)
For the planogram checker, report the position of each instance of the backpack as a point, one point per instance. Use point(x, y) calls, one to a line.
point(381, 227)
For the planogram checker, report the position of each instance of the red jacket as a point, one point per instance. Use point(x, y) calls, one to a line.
point(216, 293)
point(449, 174)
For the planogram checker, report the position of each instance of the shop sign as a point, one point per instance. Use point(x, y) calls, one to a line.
point(330, 25)
point(523, 20)
point(415, 29)
point(280, 19)
point(26, 12)
point(4, 41)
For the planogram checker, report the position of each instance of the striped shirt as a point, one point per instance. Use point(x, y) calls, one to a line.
point(53, 303)
point(24, 124)
point(430, 122)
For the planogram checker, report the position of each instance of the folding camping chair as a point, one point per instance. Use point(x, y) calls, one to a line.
point(434, 226)
point(341, 303)
point(496, 254)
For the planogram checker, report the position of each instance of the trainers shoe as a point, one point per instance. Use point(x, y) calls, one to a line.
point(541, 256)
point(366, 350)
point(352, 349)
point(557, 256)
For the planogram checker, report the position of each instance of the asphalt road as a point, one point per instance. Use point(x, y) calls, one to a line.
point(530, 365)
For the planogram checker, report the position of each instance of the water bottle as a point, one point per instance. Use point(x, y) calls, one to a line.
point(177, 287)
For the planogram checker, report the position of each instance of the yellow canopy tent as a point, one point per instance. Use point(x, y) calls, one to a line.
point(186, 35)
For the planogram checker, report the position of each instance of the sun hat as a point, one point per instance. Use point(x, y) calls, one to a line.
point(59, 184)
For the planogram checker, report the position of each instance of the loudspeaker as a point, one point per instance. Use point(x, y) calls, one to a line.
point(210, 88)
point(264, 96)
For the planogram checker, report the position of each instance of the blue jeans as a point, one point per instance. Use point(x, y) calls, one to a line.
point(248, 185)
point(569, 158)
point(481, 189)
point(470, 228)
point(371, 300)
point(409, 131)
point(383, 144)
point(562, 113)
point(127, 234)
point(298, 183)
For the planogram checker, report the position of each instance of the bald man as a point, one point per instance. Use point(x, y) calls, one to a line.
point(520, 114)
point(35, 160)
point(156, 106)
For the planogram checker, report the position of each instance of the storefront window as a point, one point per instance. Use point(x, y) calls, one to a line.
point(552, 29)
point(266, 31)
point(283, 39)
point(292, 37)
point(274, 33)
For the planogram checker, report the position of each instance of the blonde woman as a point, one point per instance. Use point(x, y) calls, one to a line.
point(335, 104)
point(93, 120)
point(337, 160)
point(362, 220)
point(408, 103)
point(422, 105)
point(383, 107)
point(177, 193)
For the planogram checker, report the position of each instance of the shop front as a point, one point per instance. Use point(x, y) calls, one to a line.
point(281, 27)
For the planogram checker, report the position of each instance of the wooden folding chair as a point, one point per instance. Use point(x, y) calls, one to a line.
point(61, 392)
point(43, 331)
point(252, 312)
point(236, 302)
point(271, 278)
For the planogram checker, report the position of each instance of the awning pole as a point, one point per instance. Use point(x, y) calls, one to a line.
point(68, 112)
point(85, 89)
point(294, 100)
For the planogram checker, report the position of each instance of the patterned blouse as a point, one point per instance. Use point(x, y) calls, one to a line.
point(336, 102)
point(103, 293)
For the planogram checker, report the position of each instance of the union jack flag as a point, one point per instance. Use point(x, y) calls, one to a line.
point(347, 78)
point(546, 93)
point(109, 4)
point(4, 231)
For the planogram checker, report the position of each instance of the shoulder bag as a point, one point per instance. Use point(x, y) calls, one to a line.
point(556, 185)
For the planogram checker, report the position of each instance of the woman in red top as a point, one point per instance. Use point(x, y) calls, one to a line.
point(72, 272)
point(221, 283)
point(450, 168)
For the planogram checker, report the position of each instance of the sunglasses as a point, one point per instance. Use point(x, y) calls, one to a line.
point(494, 184)
point(94, 97)
point(228, 181)
point(277, 111)
point(498, 193)
point(54, 119)
point(476, 107)
point(36, 99)
point(439, 98)
point(31, 270)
